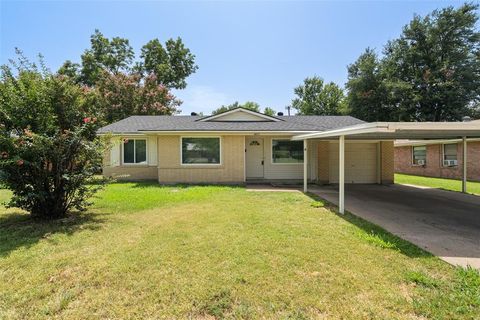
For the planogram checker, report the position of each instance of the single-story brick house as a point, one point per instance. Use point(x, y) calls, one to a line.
point(438, 158)
point(240, 146)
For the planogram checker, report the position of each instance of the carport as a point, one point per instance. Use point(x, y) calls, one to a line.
point(389, 131)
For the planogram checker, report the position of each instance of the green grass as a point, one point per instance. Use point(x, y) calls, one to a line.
point(146, 251)
point(446, 184)
point(4, 196)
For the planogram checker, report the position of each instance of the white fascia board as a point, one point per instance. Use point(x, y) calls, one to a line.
point(468, 126)
point(351, 130)
point(392, 127)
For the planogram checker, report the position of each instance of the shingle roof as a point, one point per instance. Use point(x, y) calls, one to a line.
point(135, 124)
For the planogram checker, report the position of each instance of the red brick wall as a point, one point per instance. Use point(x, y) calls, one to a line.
point(434, 167)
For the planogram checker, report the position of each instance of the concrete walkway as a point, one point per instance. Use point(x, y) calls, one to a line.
point(445, 223)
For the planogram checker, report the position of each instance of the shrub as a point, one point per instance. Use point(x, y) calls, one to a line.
point(49, 152)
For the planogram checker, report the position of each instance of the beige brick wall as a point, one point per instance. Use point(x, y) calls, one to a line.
point(323, 162)
point(126, 172)
point(231, 170)
point(387, 162)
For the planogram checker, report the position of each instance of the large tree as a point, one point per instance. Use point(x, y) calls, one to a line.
point(125, 87)
point(113, 55)
point(122, 95)
point(49, 152)
point(171, 65)
point(430, 73)
point(314, 97)
point(367, 97)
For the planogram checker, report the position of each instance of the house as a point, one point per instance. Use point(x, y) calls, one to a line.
point(438, 158)
point(240, 146)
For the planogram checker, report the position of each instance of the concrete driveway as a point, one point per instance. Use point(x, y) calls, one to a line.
point(445, 223)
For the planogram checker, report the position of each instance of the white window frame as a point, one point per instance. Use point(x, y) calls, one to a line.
point(134, 152)
point(282, 164)
point(413, 156)
point(201, 164)
point(443, 154)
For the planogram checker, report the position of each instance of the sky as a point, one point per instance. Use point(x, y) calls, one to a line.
point(246, 51)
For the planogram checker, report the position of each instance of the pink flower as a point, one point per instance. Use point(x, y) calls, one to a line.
point(4, 154)
point(86, 120)
point(20, 162)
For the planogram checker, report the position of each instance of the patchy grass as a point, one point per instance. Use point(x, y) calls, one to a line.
point(146, 251)
point(377, 239)
point(456, 298)
point(446, 184)
point(422, 279)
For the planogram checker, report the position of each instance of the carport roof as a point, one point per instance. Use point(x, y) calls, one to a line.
point(400, 130)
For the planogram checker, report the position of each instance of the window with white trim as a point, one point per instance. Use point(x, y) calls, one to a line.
point(419, 154)
point(450, 151)
point(287, 151)
point(135, 151)
point(199, 150)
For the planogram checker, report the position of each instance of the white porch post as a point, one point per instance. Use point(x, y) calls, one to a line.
point(305, 166)
point(341, 174)
point(464, 180)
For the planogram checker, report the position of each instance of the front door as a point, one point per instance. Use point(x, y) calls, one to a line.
point(254, 158)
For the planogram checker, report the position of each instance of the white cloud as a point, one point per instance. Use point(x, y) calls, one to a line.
point(201, 99)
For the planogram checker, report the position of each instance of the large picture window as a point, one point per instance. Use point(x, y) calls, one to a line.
point(200, 150)
point(419, 155)
point(135, 151)
point(286, 151)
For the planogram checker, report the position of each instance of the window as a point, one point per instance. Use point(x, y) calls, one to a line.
point(135, 151)
point(419, 155)
point(450, 151)
point(286, 151)
point(200, 150)
point(450, 155)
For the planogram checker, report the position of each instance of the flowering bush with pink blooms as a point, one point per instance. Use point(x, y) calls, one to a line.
point(49, 152)
point(121, 95)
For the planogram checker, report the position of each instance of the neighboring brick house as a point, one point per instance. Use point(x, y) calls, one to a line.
point(441, 159)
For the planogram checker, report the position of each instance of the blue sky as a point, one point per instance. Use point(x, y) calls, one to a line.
point(257, 51)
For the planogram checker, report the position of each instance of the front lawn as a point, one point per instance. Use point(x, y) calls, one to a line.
point(446, 184)
point(146, 251)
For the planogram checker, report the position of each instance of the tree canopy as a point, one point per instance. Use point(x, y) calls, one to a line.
point(430, 73)
point(367, 93)
point(121, 95)
point(314, 97)
point(171, 65)
point(126, 87)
